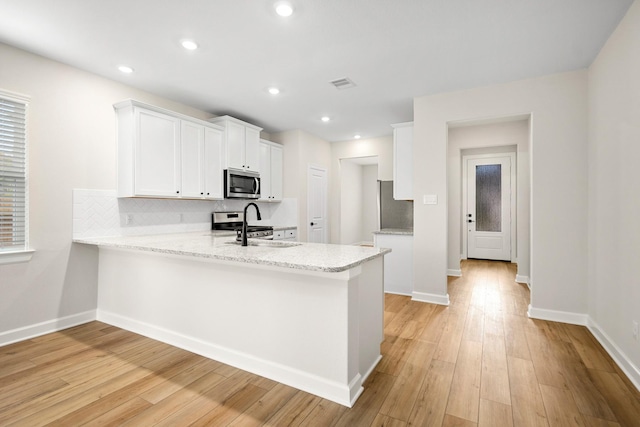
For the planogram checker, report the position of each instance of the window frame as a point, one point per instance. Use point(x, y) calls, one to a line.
point(24, 254)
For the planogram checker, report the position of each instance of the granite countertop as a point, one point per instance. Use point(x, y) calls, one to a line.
point(397, 231)
point(217, 245)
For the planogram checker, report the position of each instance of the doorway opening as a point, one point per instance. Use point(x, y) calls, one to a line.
point(359, 207)
point(488, 206)
point(479, 147)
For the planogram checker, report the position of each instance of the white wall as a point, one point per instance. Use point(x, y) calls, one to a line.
point(71, 137)
point(358, 202)
point(501, 137)
point(381, 147)
point(614, 197)
point(301, 150)
point(369, 222)
point(558, 150)
point(350, 202)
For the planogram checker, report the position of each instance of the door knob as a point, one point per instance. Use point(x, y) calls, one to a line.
point(312, 223)
point(470, 220)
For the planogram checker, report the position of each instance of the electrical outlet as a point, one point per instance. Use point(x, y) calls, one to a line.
point(635, 330)
point(128, 219)
point(181, 217)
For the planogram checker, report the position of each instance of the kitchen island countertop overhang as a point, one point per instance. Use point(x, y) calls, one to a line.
point(218, 246)
point(309, 316)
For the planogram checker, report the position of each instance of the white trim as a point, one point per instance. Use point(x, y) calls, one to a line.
point(430, 298)
point(513, 240)
point(523, 279)
point(622, 360)
point(14, 96)
point(55, 325)
point(557, 316)
point(16, 256)
point(340, 393)
point(453, 272)
point(398, 293)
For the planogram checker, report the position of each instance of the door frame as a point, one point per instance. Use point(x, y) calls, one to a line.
point(325, 233)
point(513, 198)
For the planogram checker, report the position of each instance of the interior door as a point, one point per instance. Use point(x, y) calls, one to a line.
point(317, 205)
point(488, 215)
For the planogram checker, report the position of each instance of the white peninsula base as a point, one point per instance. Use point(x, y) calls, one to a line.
point(316, 331)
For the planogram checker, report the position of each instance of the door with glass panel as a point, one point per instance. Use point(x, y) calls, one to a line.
point(488, 216)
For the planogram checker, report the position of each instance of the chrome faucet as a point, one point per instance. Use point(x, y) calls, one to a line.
point(244, 222)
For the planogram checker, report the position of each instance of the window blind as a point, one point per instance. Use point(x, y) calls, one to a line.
point(13, 174)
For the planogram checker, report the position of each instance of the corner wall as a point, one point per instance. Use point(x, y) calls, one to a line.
point(301, 150)
point(558, 107)
point(614, 197)
point(382, 147)
point(72, 144)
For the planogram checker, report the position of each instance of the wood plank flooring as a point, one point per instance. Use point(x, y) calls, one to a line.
point(478, 362)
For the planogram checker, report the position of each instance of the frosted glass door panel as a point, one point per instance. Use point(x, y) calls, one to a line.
point(488, 198)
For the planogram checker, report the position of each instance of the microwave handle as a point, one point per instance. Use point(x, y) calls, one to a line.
point(256, 186)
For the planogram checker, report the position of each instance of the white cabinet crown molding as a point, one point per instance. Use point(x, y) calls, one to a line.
point(133, 103)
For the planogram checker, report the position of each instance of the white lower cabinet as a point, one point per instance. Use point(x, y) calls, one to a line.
point(167, 155)
point(290, 234)
point(398, 264)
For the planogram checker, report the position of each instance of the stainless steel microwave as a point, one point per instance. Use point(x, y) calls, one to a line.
point(241, 184)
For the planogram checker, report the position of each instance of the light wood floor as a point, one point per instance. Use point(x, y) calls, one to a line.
point(480, 361)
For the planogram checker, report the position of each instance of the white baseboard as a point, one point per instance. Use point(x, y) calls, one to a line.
point(558, 316)
point(522, 279)
point(430, 298)
point(619, 357)
point(55, 325)
point(454, 273)
point(626, 365)
point(340, 393)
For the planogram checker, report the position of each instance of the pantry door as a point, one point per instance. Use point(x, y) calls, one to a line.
point(488, 215)
point(317, 205)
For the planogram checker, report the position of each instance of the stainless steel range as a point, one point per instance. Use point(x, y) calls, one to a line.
point(232, 221)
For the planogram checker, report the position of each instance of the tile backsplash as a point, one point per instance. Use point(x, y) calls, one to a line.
point(99, 213)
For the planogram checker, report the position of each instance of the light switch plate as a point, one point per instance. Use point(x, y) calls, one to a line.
point(430, 199)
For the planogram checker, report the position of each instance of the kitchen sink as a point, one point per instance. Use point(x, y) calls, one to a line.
point(267, 243)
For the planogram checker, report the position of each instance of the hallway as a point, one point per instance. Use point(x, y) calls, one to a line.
point(482, 361)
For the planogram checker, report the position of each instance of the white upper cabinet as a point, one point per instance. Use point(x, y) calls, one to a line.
point(214, 161)
point(166, 154)
point(271, 163)
point(241, 143)
point(157, 160)
point(403, 161)
point(192, 144)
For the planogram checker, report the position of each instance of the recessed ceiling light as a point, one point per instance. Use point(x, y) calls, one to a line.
point(356, 136)
point(125, 69)
point(325, 118)
point(274, 90)
point(189, 44)
point(283, 8)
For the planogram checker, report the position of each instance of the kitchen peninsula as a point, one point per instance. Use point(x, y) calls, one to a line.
point(303, 314)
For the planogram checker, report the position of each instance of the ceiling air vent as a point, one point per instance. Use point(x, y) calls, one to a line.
point(344, 83)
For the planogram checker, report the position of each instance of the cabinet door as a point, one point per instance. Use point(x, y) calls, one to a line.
point(251, 149)
point(403, 163)
point(265, 171)
point(157, 156)
point(213, 164)
point(235, 145)
point(192, 145)
point(276, 173)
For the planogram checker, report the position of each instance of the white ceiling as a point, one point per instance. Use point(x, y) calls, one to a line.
point(392, 50)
